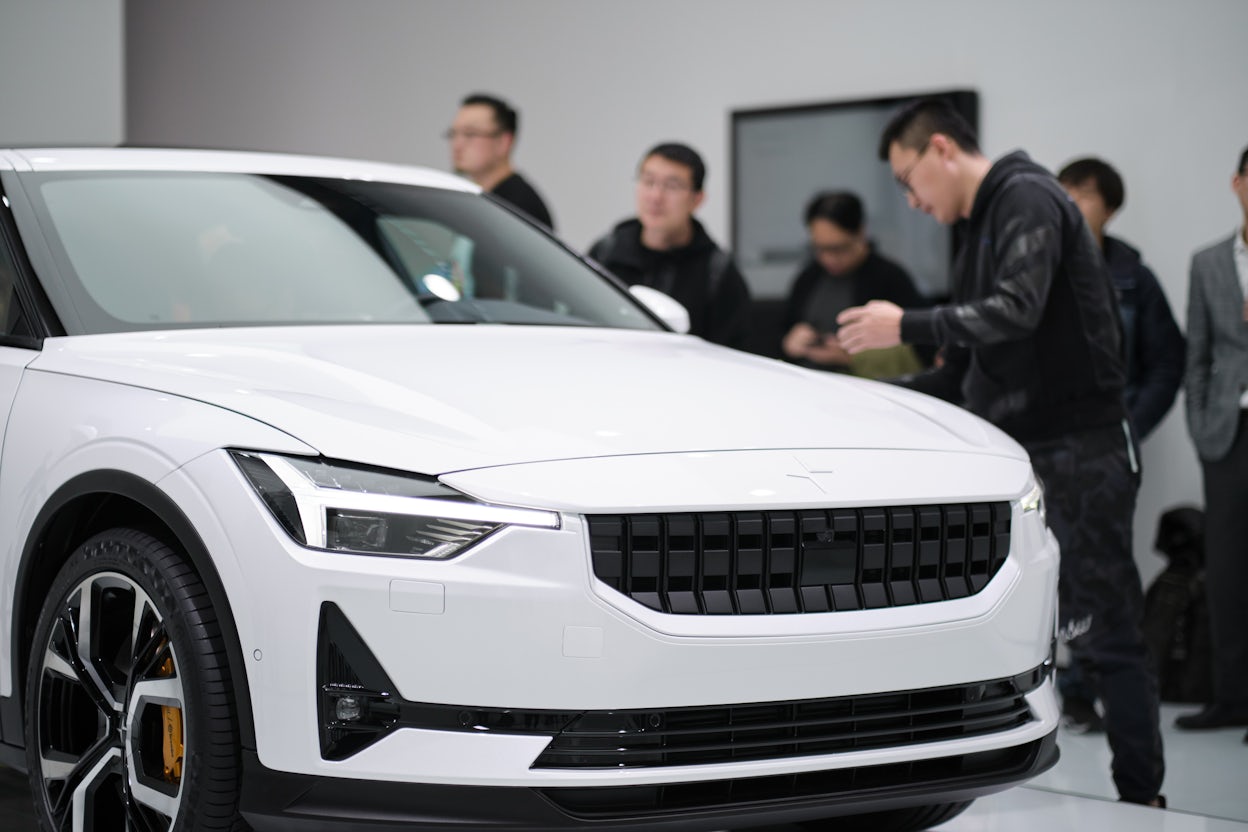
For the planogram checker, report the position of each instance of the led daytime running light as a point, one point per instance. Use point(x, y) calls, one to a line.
point(338, 519)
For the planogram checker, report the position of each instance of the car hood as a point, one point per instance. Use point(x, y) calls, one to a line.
point(435, 399)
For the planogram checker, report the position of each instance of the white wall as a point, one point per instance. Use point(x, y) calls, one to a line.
point(60, 72)
point(1156, 87)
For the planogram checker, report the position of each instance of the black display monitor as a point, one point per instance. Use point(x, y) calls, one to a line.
point(782, 156)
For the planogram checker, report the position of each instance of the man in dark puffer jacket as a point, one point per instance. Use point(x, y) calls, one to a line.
point(1032, 342)
point(666, 248)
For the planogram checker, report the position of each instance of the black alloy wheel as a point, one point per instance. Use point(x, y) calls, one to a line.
point(130, 723)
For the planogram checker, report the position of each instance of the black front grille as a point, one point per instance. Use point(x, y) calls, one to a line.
point(756, 563)
point(731, 733)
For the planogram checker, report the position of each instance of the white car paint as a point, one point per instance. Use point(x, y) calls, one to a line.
point(573, 420)
point(435, 399)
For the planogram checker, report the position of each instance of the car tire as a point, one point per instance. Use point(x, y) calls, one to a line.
point(894, 820)
point(130, 718)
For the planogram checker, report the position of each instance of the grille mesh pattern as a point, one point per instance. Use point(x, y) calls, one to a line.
point(689, 736)
point(757, 563)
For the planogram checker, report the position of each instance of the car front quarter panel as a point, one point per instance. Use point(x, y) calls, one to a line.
point(62, 428)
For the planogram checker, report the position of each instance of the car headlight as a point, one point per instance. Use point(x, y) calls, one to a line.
point(1033, 500)
point(351, 508)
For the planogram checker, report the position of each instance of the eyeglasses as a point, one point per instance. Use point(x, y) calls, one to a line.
point(469, 134)
point(667, 186)
point(834, 250)
point(903, 178)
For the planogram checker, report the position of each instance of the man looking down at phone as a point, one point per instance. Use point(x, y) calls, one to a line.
point(1031, 341)
point(844, 271)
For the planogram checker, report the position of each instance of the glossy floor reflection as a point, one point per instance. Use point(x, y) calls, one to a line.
point(1205, 784)
point(1206, 771)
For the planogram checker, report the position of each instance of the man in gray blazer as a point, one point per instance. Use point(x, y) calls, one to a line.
point(1217, 418)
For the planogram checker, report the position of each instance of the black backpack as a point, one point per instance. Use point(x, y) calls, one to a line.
point(1176, 613)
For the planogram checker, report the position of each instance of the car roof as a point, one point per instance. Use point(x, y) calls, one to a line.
point(224, 161)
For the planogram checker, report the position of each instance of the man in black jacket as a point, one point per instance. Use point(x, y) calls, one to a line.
point(1154, 351)
point(1155, 348)
point(1032, 342)
point(665, 248)
point(482, 138)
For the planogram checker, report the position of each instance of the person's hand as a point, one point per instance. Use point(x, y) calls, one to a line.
point(799, 341)
point(829, 352)
point(874, 326)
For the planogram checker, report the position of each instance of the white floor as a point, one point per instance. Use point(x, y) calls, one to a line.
point(1030, 809)
point(1206, 786)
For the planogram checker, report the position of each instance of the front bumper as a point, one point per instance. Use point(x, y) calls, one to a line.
point(284, 802)
point(520, 622)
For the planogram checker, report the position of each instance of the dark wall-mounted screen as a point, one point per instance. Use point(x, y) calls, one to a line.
point(782, 157)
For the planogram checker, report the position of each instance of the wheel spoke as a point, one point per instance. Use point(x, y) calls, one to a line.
point(157, 692)
point(94, 769)
point(83, 671)
point(83, 644)
point(149, 649)
point(153, 799)
point(52, 661)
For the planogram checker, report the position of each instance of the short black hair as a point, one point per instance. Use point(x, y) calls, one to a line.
point(1101, 174)
point(843, 208)
point(1243, 163)
point(505, 116)
point(681, 154)
point(917, 121)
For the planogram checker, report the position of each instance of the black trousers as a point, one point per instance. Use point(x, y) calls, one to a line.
point(1090, 481)
point(1226, 569)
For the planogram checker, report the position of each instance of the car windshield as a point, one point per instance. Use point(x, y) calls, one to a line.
point(158, 250)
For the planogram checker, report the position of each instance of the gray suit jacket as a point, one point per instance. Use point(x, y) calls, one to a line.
point(1217, 350)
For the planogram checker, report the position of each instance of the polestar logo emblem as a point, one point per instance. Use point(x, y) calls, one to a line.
point(811, 473)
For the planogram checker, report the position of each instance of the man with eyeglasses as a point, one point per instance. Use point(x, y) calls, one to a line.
point(844, 270)
point(665, 248)
point(1032, 342)
point(482, 137)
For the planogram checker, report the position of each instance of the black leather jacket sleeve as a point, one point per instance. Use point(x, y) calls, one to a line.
point(1024, 255)
point(944, 379)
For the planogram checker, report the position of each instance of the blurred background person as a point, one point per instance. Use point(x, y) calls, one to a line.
point(482, 138)
point(844, 271)
point(1217, 419)
point(1154, 344)
point(666, 248)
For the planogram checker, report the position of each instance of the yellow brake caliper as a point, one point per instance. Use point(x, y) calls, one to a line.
point(172, 745)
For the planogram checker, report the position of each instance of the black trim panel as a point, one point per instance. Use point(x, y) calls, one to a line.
point(282, 802)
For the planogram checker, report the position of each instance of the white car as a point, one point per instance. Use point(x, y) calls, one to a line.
point(336, 495)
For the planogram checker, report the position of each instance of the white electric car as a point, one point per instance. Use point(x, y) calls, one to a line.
point(335, 495)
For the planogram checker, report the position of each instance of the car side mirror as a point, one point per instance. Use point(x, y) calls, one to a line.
point(666, 308)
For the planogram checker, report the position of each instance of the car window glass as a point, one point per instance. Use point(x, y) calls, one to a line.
point(149, 249)
point(173, 249)
point(9, 308)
